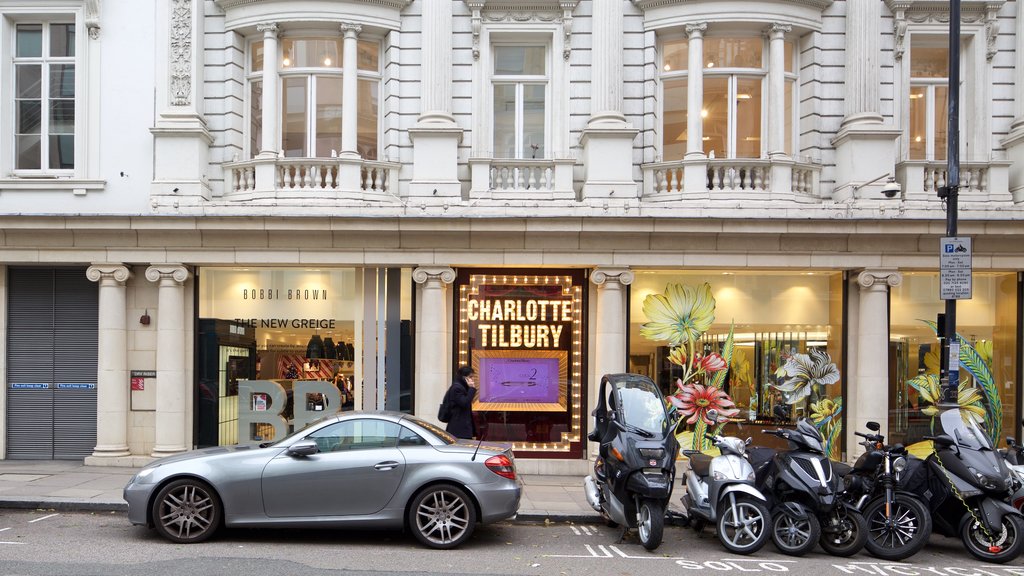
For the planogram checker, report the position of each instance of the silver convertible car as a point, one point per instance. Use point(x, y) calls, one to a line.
point(357, 469)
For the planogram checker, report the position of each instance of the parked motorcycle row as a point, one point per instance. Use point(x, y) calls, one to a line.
point(887, 503)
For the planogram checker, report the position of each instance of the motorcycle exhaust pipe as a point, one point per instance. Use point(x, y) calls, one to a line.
point(592, 493)
point(862, 501)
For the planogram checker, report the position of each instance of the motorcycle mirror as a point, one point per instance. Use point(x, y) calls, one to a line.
point(1010, 441)
point(873, 426)
point(943, 441)
point(713, 415)
point(748, 441)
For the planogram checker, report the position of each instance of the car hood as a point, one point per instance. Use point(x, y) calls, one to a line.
point(203, 453)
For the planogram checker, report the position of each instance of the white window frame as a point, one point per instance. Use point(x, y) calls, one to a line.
point(84, 177)
point(520, 82)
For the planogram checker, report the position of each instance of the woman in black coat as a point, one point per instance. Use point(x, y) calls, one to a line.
point(460, 398)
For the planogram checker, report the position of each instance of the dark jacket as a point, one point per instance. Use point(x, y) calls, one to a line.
point(460, 396)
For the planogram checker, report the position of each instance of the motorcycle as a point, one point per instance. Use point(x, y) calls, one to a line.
point(899, 523)
point(968, 488)
point(720, 490)
point(803, 494)
point(1013, 454)
point(634, 472)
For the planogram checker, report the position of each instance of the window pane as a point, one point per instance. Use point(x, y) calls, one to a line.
point(918, 122)
point(256, 61)
point(504, 121)
point(929, 61)
point(328, 115)
point(675, 56)
point(293, 136)
point(28, 152)
point(941, 121)
point(62, 116)
point(30, 116)
point(673, 142)
point(29, 79)
point(369, 55)
point(716, 116)
point(790, 66)
point(29, 41)
point(519, 60)
point(62, 40)
point(369, 105)
point(789, 120)
point(533, 122)
point(312, 53)
point(62, 152)
point(733, 52)
point(748, 118)
point(62, 81)
point(256, 118)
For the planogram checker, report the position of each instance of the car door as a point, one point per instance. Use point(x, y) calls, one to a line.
point(357, 472)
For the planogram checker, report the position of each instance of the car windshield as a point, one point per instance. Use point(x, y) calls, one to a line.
point(443, 435)
point(967, 434)
point(641, 405)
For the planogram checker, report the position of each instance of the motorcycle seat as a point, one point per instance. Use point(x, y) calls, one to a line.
point(700, 464)
point(841, 468)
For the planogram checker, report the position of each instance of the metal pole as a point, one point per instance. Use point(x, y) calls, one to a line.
point(950, 377)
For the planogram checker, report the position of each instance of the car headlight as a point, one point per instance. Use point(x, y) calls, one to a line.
point(751, 477)
point(652, 452)
point(143, 475)
point(718, 476)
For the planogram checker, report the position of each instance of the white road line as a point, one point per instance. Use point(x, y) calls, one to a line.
point(44, 518)
point(2, 529)
point(2, 542)
point(588, 531)
point(575, 530)
point(604, 551)
point(619, 552)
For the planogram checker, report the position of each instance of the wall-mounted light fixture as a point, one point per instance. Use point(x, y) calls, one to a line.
point(144, 319)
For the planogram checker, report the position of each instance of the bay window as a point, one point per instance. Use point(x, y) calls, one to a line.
point(44, 97)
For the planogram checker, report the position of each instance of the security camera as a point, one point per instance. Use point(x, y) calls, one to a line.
point(891, 188)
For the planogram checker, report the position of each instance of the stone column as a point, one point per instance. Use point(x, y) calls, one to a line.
point(433, 374)
point(607, 139)
point(872, 382)
point(1014, 142)
point(350, 90)
point(270, 143)
point(112, 389)
point(436, 136)
point(171, 388)
point(609, 356)
point(695, 169)
point(777, 121)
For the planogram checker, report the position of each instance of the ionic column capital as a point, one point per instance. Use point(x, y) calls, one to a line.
point(268, 29)
point(434, 274)
point(350, 29)
point(879, 278)
point(623, 276)
point(696, 30)
point(118, 273)
point(176, 272)
point(779, 30)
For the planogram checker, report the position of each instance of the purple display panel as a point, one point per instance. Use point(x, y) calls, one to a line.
point(519, 380)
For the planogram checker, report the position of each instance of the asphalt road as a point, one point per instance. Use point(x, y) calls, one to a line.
point(44, 542)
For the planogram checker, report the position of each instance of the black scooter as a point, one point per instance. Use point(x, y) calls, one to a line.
point(803, 491)
point(968, 487)
point(635, 470)
point(899, 523)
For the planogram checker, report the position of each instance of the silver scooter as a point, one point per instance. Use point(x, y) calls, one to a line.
point(720, 490)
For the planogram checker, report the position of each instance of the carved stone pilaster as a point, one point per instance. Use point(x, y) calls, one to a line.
point(92, 18)
point(181, 52)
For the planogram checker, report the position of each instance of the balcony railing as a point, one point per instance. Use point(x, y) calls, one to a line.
point(979, 181)
point(311, 177)
point(754, 178)
point(521, 179)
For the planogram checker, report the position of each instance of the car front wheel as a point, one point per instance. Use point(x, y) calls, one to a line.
point(442, 516)
point(186, 511)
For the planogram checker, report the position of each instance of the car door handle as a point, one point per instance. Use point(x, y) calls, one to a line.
point(389, 465)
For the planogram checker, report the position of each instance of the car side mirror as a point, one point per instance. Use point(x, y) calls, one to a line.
point(303, 448)
point(874, 426)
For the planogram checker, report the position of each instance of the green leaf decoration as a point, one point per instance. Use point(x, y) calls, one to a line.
point(698, 434)
point(971, 361)
point(718, 380)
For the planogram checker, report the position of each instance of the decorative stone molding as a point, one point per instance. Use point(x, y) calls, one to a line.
point(623, 276)
point(350, 27)
point(869, 278)
point(267, 27)
point(181, 52)
point(92, 18)
point(991, 35)
point(778, 28)
point(899, 31)
point(978, 12)
point(424, 274)
point(117, 272)
point(696, 29)
point(650, 4)
point(545, 11)
point(176, 272)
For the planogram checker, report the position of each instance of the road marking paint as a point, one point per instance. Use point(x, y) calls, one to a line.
point(575, 530)
point(2, 542)
point(44, 518)
point(2, 529)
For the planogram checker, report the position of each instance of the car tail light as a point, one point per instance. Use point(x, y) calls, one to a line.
point(502, 466)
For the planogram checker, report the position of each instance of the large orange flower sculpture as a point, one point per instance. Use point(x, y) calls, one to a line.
point(695, 400)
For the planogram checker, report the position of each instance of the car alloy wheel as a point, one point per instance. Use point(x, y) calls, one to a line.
point(186, 511)
point(442, 516)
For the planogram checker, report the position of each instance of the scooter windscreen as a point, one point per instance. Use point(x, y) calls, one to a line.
point(809, 436)
point(967, 434)
point(641, 406)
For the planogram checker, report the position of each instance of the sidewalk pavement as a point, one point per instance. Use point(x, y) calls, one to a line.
point(72, 486)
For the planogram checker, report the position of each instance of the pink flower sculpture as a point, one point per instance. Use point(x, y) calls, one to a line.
point(694, 401)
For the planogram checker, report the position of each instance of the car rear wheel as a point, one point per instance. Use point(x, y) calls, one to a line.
point(186, 511)
point(442, 516)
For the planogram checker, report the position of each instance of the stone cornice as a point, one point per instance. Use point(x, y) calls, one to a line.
point(393, 4)
point(942, 6)
point(648, 4)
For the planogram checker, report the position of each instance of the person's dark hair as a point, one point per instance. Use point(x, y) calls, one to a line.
point(465, 371)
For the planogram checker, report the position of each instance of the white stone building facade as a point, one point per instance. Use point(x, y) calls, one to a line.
point(210, 168)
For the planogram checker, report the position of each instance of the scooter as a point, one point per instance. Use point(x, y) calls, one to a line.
point(720, 490)
point(803, 493)
point(899, 523)
point(635, 469)
point(1013, 454)
point(969, 486)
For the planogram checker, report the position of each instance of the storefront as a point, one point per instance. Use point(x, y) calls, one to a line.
point(278, 347)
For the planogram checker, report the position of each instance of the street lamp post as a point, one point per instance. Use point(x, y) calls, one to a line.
point(950, 373)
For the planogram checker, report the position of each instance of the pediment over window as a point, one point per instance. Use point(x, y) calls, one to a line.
point(545, 11)
point(801, 14)
point(974, 13)
point(380, 14)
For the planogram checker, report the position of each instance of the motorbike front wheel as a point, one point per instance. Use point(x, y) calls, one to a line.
point(996, 548)
point(650, 523)
point(743, 525)
point(795, 536)
point(902, 533)
point(844, 533)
